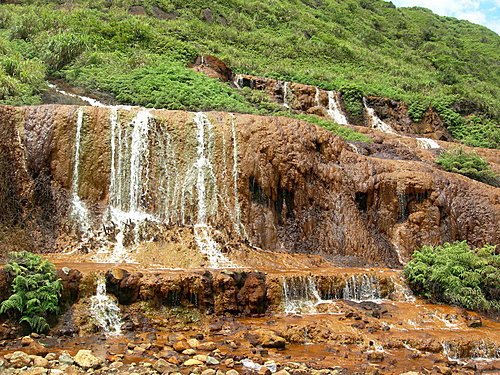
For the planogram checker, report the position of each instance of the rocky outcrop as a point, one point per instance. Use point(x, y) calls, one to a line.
point(277, 183)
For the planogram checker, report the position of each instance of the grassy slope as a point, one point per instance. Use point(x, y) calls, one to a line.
point(349, 45)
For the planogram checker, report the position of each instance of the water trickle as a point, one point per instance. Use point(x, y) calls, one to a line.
point(92, 102)
point(334, 109)
point(285, 95)
point(362, 288)
point(427, 144)
point(317, 98)
point(206, 186)
point(401, 290)
point(104, 310)
point(79, 211)
point(376, 122)
point(300, 294)
point(237, 209)
point(238, 81)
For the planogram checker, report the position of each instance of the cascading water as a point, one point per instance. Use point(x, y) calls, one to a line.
point(92, 102)
point(427, 144)
point(362, 288)
point(206, 186)
point(285, 95)
point(300, 294)
point(238, 81)
point(104, 310)
point(376, 122)
point(334, 109)
point(237, 210)
point(317, 98)
point(79, 212)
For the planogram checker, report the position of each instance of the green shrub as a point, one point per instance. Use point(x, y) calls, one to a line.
point(352, 95)
point(468, 164)
point(340, 130)
point(454, 273)
point(35, 288)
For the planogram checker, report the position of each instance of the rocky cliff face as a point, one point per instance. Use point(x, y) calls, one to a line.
point(125, 181)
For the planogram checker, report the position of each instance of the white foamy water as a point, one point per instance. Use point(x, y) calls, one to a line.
point(238, 81)
point(105, 310)
point(79, 211)
point(334, 109)
point(285, 95)
point(376, 122)
point(427, 143)
point(90, 101)
point(206, 186)
point(362, 288)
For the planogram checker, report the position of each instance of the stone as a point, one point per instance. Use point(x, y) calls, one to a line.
point(212, 361)
point(264, 371)
point(200, 357)
point(51, 356)
point(189, 352)
point(207, 346)
point(375, 356)
point(180, 346)
point(282, 372)
point(36, 348)
point(39, 361)
point(265, 338)
point(192, 362)
point(193, 343)
point(18, 359)
point(86, 360)
point(232, 372)
point(209, 371)
point(66, 359)
point(26, 340)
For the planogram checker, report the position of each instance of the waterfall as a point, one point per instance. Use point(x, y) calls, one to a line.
point(237, 209)
point(300, 294)
point(79, 212)
point(125, 209)
point(317, 98)
point(334, 109)
point(285, 95)
point(206, 186)
point(90, 101)
point(376, 122)
point(362, 288)
point(104, 310)
point(238, 81)
point(427, 144)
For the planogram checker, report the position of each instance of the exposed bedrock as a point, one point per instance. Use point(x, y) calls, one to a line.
point(275, 183)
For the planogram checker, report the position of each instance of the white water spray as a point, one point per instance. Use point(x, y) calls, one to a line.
point(79, 212)
point(105, 311)
point(376, 122)
point(427, 144)
point(285, 95)
point(362, 288)
point(334, 109)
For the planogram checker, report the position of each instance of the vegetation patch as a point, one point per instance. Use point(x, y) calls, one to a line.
point(468, 164)
point(35, 290)
point(456, 274)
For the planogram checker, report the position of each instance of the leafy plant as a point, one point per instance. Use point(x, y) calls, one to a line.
point(468, 164)
point(35, 288)
point(456, 274)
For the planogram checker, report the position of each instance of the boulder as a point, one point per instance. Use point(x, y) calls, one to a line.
point(265, 338)
point(86, 360)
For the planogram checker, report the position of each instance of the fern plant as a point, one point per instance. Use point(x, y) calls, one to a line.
point(454, 273)
point(36, 290)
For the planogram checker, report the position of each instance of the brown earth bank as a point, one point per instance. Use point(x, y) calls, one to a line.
point(214, 322)
point(271, 182)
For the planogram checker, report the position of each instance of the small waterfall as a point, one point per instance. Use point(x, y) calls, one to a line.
point(427, 144)
point(484, 351)
point(90, 101)
point(79, 212)
point(285, 95)
point(376, 122)
point(334, 109)
point(237, 209)
point(300, 294)
point(238, 81)
point(206, 186)
point(105, 311)
point(317, 98)
point(401, 289)
point(362, 288)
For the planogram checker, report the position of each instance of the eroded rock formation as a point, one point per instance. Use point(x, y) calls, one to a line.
point(234, 181)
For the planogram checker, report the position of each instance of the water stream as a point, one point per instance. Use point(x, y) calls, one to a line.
point(105, 310)
point(334, 109)
point(376, 122)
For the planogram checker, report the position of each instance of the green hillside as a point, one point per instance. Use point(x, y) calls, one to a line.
point(359, 46)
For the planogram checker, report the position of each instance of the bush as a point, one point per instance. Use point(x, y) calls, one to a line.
point(36, 290)
point(468, 164)
point(455, 274)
